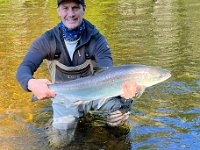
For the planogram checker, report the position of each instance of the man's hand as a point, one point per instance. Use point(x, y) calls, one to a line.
point(117, 118)
point(130, 89)
point(39, 88)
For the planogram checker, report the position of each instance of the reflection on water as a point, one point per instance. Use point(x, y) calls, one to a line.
point(159, 33)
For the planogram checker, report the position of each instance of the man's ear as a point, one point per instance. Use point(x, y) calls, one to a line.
point(84, 7)
point(58, 11)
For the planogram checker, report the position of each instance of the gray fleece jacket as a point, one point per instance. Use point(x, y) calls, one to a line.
point(50, 45)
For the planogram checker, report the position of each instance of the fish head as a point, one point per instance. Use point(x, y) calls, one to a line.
point(148, 76)
point(156, 75)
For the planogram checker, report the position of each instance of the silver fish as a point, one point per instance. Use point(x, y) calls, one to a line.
point(108, 83)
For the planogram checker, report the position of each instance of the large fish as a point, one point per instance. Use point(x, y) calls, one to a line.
point(108, 83)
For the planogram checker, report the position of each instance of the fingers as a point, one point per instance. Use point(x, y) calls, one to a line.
point(117, 118)
point(40, 89)
point(114, 117)
point(45, 81)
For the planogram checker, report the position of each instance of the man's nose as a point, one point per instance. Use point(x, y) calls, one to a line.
point(71, 12)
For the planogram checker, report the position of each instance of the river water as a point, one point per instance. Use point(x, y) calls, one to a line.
point(163, 33)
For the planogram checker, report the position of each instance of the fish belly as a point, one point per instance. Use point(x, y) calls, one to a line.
point(89, 93)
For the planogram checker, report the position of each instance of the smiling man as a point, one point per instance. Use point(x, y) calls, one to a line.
point(72, 49)
point(71, 14)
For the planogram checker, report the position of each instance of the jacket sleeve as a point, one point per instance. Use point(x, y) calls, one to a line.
point(102, 52)
point(29, 65)
point(31, 62)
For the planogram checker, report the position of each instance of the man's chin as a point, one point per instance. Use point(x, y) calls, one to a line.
point(72, 27)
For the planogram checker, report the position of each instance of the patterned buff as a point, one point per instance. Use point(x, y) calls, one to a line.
point(72, 35)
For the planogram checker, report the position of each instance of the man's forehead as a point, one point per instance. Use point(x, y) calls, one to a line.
point(68, 1)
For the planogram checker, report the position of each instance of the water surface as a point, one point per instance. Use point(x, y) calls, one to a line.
point(151, 32)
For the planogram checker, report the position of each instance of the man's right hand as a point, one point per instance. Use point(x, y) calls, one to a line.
point(39, 88)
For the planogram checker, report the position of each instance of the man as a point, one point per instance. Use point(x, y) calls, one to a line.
point(73, 49)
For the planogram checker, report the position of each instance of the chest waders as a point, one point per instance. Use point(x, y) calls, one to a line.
point(66, 116)
point(61, 73)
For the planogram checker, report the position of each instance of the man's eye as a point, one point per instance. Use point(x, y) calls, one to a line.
point(76, 8)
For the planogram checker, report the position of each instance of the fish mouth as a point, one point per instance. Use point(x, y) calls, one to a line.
point(165, 76)
point(169, 75)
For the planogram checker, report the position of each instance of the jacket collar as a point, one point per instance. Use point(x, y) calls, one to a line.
point(90, 30)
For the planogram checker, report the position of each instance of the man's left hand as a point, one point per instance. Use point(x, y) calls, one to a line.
point(117, 118)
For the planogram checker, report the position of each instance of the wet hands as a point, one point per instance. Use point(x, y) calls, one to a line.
point(117, 118)
point(39, 88)
point(130, 89)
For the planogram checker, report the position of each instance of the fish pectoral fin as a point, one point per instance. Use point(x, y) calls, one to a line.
point(140, 92)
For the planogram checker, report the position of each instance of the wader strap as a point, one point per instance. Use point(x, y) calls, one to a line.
point(79, 67)
point(52, 69)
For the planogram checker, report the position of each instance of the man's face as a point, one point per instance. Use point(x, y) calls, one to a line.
point(71, 14)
